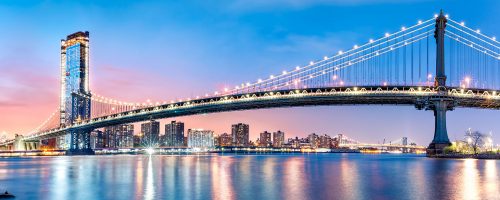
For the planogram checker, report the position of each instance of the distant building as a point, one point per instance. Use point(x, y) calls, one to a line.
point(150, 132)
point(313, 140)
point(278, 139)
point(174, 134)
point(96, 139)
point(294, 142)
point(225, 140)
point(265, 139)
point(199, 138)
point(137, 140)
point(119, 136)
point(325, 141)
point(240, 134)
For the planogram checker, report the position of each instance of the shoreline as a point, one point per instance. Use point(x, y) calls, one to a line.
point(466, 156)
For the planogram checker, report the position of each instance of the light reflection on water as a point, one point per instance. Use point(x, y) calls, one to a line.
point(254, 176)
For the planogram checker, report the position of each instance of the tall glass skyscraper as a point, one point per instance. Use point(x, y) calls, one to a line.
point(75, 92)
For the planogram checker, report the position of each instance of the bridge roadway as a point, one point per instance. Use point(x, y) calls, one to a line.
point(361, 95)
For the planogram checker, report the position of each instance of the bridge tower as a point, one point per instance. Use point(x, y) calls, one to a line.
point(439, 103)
point(75, 102)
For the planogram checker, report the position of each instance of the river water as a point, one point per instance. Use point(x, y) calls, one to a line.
point(250, 176)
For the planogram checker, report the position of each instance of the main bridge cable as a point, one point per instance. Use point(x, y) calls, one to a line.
point(372, 44)
point(365, 57)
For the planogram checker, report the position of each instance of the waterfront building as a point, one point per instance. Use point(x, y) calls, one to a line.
point(96, 139)
point(74, 67)
point(325, 141)
point(119, 136)
point(150, 132)
point(199, 138)
point(137, 140)
point(225, 140)
point(278, 139)
point(265, 139)
point(313, 140)
point(240, 134)
point(294, 142)
point(174, 134)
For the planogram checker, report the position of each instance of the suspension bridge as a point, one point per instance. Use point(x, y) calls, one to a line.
point(407, 67)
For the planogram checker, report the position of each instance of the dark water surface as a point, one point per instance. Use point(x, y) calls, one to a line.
point(256, 176)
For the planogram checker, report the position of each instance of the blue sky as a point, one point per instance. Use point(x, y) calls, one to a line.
point(161, 50)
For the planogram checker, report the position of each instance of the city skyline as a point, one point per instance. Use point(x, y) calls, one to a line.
point(106, 70)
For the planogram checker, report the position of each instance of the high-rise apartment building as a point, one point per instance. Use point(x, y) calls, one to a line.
point(265, 139)
point(174, 134)
point(240, 134)
point(225, 140)
point(150, 132)
point(199, 138)
point(278, 139)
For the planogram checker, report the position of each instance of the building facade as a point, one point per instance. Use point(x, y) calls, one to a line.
point(240, 134)
point(265, 139)
point(199, 138)
point(278, 139)
point(174, 134)
point(150, 132)
point(225, 140)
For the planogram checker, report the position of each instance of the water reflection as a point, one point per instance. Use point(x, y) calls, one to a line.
point(254, 176)
point(470, 179)
point(149, 190)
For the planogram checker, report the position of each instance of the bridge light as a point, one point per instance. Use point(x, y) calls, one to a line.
point(494, 38)
point(355, 46)
point(311, 63)
point(371, 40)
point(385, 83)
point(284, 72)
point(326, 57)
point(334, 77)
point(435, 16)
point(271, 77)
point(225, 89)
point(478, 31)
point(429, 76)
point(248, 84)
point(462, 23)
point(340, 52)
point(216, 93)
point(297, 68)
point(403, 28)
point(446, 16)
point(387, 34)
point(259, 81)
point(341, 82)
point(311, 76)
point(324, 72)
point(419, 21)
point(467, 80)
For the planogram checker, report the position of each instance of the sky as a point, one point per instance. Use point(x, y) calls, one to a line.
point(163, 50)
